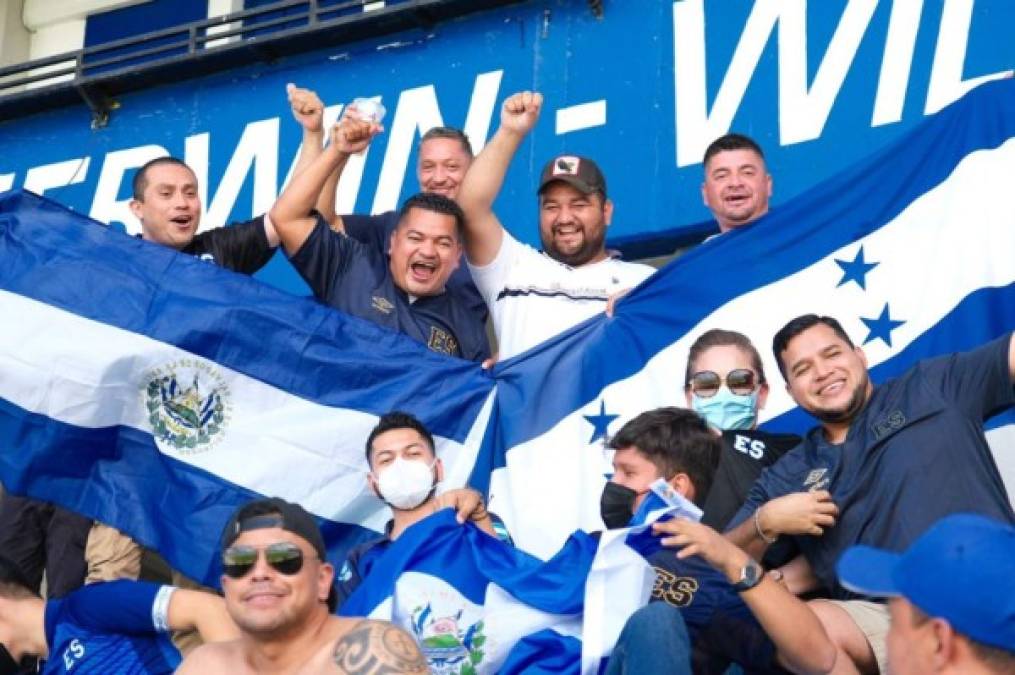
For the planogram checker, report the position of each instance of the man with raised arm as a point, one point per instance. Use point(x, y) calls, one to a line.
point(535, 295)
point(403, 289)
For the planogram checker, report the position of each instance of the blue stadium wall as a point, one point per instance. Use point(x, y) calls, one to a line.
point(643, 90)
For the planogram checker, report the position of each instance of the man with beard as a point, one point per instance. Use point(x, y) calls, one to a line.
point(403, 290)
point(884, 465)
point(737, 185)
point(535, 295)
point(278, 590)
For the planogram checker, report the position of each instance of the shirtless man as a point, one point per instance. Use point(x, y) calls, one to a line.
point(278, 589)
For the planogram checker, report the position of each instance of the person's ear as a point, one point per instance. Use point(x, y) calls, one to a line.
point(682, 484)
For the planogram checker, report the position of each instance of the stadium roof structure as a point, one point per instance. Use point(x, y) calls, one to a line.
point(97, 74)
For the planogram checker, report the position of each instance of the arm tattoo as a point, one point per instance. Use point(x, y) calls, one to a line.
point(378, 648)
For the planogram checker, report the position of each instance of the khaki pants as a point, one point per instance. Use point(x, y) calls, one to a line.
point(111, 555)
point(873, 620)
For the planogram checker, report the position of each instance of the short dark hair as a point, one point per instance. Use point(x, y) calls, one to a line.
point(717, 337)
point(13, 584)
point(431, 201)
point(398, 420)
point(140, 183)
point(448, 132)
point(799, 325)
point(675, 440)
point(731, 142)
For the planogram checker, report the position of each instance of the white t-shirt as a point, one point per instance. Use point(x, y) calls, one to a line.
point(533, 297)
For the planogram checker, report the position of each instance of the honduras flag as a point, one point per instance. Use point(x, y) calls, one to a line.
point(478, 605)
point(912, 250)
point(156, 392)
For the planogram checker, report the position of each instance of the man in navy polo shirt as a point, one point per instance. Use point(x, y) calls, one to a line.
point(884, 465)
point(404, 290)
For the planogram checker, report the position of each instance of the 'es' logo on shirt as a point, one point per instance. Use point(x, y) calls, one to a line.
point(674, 590)
point(816, 480)
point(442, 342)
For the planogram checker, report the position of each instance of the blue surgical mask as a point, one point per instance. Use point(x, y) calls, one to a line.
point(727, 410)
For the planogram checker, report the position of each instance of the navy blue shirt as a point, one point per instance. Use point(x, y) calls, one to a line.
point(719, 623)
point(357, 280)
point(110, 627)
point(375, 232)
point(915, 454)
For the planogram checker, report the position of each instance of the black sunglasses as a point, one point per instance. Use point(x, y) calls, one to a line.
point(284, 557)
point(706, 383)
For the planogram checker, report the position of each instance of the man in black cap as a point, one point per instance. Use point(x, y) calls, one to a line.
point(535, 295)
point(278, 589)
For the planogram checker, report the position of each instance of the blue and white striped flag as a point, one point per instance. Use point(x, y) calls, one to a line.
point(478, 605)
point(912, 250)
point(156, 392)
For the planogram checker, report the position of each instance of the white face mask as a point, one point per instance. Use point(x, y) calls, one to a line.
point(405, 483)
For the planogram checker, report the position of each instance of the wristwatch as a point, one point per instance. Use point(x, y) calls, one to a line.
point(751, 575)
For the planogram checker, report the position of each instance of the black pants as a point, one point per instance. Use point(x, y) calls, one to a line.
point(38, 536)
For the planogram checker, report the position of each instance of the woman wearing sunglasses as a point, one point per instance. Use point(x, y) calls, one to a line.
point(725, 384)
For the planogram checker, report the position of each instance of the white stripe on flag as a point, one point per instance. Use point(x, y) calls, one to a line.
point(546, 490)
point(89, 374)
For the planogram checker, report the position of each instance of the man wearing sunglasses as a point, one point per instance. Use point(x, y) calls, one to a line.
point(405, 473)
point(891, 460)
point(278, 589)
point(111, 627)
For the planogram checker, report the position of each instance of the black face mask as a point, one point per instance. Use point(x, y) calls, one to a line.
point(8, 666)
point(616, 505)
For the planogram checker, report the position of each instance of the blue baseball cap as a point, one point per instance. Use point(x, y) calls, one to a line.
point(962, 570)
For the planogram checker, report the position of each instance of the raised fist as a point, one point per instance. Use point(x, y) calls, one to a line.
point(307, 107)
point(521, 111)
point(352, 135)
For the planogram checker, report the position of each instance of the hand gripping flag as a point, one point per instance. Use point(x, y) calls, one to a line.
point(909, 250)
point(156, 392)
point(478, 605)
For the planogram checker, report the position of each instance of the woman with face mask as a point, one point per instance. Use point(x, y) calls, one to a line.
point(725, 384)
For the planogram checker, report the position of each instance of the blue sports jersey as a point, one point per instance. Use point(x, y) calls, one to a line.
point(113, 627)
point(915, 454)
point(357, 280)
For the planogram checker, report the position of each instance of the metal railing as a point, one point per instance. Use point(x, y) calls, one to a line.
point(98, 73)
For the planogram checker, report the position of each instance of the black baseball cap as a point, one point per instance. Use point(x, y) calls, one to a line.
point(274, 512)
point(580, 173)
point(277, 512)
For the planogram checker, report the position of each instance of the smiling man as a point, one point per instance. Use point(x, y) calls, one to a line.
point(885, 464)
point(405, 290)
point(278, 590)
point(737, 184)
point(535, 295)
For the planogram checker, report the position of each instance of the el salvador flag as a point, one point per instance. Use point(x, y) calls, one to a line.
point(912, 250)
point(478, 605)
point(156, 392)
